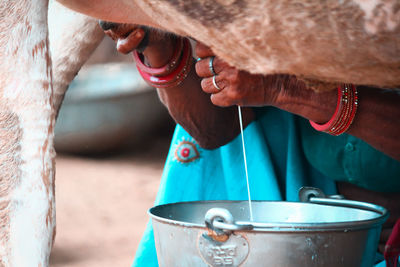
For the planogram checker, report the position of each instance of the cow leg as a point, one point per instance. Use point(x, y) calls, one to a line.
point(73, 38)
point(27, 117)
point(28, 106)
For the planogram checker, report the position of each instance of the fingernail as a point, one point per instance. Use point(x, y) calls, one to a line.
point(121, 46)
point(139, 34)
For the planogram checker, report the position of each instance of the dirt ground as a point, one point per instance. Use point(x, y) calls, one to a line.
point(102, 205)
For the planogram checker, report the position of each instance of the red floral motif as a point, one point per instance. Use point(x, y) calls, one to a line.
point(186, 152)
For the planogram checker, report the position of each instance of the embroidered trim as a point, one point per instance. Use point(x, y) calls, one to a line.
point(186, 151)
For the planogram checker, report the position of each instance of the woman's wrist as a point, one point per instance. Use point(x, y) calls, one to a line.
point(159, 53)
point(297, 98)
point(172, 73)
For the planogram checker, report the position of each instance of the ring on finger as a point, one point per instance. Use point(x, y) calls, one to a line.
point(211, 66)
point(215, 83)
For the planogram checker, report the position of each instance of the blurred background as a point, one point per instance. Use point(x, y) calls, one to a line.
point(112, 137)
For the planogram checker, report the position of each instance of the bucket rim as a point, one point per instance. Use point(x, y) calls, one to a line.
point(284, 226)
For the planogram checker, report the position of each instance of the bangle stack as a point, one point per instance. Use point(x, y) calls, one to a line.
point(344, 114)
point(171, 74)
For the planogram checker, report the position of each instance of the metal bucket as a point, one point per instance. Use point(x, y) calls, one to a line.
point(323, 232)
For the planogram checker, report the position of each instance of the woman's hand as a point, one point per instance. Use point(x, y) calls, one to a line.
point(236, 87)
point(233, 86)
point(158, 48)
point(127, 36)
point(209, 125)
point(229, 86)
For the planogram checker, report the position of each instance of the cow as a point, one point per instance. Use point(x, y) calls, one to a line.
point(324, 42)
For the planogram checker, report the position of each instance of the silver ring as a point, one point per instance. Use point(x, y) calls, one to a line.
point(211, 66)
point(215, 83)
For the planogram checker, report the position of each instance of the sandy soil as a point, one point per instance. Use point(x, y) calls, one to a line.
point(102, 205)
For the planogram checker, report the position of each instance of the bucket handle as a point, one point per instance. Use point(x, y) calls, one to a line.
point(221, 221)
point(316, 196)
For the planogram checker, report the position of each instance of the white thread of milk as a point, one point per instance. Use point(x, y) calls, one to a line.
point(245, 163)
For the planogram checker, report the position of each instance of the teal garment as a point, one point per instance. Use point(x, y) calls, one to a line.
point(277, 168)
point(349, 159)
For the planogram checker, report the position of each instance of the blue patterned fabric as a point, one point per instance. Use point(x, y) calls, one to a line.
point(276, 164)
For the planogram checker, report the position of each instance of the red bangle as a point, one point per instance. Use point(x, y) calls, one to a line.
point(164, 70)
point(177, 76)
point(344, 114)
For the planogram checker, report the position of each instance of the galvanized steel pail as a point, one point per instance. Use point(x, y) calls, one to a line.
point(322, 232)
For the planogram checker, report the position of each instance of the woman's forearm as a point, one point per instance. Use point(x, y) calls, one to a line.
point(377, 120)
point(211, 126)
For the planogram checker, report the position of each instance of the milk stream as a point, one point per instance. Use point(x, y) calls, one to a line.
point(245, 163)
